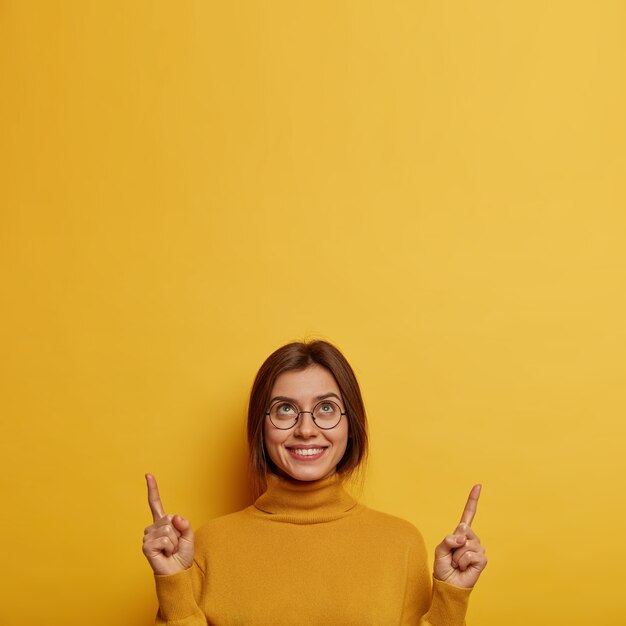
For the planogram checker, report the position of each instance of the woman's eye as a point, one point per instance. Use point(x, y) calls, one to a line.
point(285, 409)
point(326, 408)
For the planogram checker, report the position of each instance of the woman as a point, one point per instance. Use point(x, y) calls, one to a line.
point(306, 552)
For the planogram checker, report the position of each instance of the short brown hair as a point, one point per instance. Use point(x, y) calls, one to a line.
point(298, 356)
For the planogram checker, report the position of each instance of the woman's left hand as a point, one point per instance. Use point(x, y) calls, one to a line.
point(459, 558)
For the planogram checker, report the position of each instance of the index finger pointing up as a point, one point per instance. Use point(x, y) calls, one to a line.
point(154, 500)
point(470, 507)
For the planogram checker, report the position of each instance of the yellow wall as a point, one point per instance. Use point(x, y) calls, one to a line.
point(437, 187)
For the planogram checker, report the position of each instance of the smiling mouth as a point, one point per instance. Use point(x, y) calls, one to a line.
point(307, 453)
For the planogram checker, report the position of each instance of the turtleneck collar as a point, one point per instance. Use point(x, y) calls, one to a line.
point(298, 502)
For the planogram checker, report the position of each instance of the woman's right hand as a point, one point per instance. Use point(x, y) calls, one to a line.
point(168, 542)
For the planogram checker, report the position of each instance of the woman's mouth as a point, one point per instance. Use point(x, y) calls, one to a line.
point(306, 454)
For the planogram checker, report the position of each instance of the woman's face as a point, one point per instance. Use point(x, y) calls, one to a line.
point(325, 448)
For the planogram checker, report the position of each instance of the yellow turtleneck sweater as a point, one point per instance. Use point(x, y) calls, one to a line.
point(308, 554)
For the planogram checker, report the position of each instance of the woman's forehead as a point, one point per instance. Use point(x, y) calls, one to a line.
point(306, 384)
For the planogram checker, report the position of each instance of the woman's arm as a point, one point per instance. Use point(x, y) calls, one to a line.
point(429, 603)
point(459, 561)
point(168, 544)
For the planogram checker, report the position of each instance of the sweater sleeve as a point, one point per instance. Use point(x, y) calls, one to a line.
point(178, 596)
point(448, 605)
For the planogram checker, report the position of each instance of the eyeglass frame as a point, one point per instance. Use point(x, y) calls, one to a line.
point(295, 406)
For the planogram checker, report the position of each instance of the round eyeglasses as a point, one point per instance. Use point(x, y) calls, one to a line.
point(284, 415)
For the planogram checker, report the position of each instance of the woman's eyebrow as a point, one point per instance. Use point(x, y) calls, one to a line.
point(330, 394)
point(285, 398)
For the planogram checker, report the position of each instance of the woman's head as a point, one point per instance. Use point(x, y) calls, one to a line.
point(305, 378)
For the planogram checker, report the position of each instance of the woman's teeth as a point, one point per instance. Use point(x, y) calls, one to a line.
point(307, 451)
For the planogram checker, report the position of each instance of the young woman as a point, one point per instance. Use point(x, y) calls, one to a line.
point(306, 552)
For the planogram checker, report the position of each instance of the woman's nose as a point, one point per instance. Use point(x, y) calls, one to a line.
point(305, 426)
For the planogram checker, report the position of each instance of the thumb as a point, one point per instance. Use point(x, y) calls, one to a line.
point(183, 526)
point(448, 545)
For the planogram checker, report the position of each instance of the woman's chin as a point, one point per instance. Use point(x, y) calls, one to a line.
point(307, 474)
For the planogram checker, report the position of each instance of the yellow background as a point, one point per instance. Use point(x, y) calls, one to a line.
point(436, 187)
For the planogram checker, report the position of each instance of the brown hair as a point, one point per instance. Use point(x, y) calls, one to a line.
point(298, 356)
